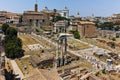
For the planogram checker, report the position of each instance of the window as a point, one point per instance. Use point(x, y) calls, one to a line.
point(65, 14)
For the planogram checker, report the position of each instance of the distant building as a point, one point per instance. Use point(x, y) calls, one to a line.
point(33, 18)
point(76, 18)
point(2, 19)
point(59, 27)
point(36, 18)
point(116, 17)
point(9, 17)
point(85, 28)
point(63, 13)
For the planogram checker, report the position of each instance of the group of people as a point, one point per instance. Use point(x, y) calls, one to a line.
point(99, 65)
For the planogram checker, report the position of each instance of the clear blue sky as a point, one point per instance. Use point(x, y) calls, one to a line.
point(85, 7)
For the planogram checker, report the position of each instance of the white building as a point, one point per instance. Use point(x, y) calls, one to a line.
point(59, 27)
point(63, 13)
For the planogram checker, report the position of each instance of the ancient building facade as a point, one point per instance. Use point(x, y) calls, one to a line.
point(38, 18)
point(33, 18)
point(85, 28)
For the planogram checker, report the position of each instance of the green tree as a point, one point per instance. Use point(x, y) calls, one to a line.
point(37, 30)
point(111, 44)
point(13, 44)
point(11, 32)
point(106, 25)
point(12, 50)
point(76, 34)
point(58, 18)
point(97, 23)
point(13, 39)
point(117, 23)
point(97, 73)
point(114, 39)
point(4, 27)
point(104, 71)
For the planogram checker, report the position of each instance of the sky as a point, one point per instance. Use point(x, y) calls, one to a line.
point(84, 7)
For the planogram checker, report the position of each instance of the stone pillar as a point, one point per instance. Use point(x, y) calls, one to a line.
point(61, 54)
point(39, 23)
point(34, 23)
point(56, 63)
point(65, 51)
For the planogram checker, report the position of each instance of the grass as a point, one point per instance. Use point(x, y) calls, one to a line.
point(32, 52)
point(47, 28)
point(44, 42)
point(22, 63)
point(27, 40)
point(77, 45)
point(103, 59)
point(86, 64)
point(103, 45)
point(96, 43)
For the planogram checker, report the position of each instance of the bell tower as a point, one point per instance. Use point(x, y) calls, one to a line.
point(36, 7)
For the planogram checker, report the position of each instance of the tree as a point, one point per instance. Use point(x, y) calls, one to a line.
point(117, 23)
point(13, 44)
point(76, 34)
point(12, 50)
point(97, 23)
point(104, 71)
point(54, 15)
point(13, 47)
point(55, 10)
point(11, 32)
point(111, 44)
point(117, 28)
point(107, 25)
point(4, 27)
point(13, 39)
point(114, 39)
point(37, 30)
point(58, 18)
point(97, 73)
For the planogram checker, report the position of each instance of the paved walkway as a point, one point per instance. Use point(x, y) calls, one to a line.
point(26, 56)
point(17, 70)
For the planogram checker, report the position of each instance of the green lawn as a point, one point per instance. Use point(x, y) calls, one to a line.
point(22, 63)
point(76, 45)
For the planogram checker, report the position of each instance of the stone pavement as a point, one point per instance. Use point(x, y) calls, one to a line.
point(17, 70)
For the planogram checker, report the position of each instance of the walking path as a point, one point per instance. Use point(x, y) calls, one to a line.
point(26, 56)
point(17, 70)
